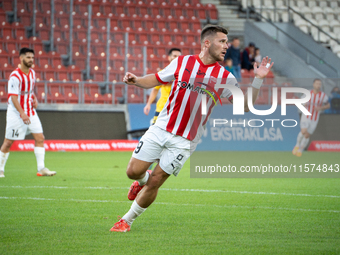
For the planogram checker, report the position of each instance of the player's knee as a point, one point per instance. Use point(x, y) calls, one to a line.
point(7, 143)
point(40, 138)
point(307, 135)
point(130, 173)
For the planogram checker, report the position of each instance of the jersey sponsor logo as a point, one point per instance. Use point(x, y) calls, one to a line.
point(198, 89)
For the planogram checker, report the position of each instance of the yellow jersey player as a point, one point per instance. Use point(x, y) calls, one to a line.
point(165, 90)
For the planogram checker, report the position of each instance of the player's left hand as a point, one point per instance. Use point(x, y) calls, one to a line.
point(318, 108)
point(262, 71)
point(35, 103)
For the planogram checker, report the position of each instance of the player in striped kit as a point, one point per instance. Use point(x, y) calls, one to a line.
point(165, 90)
point(180, 124)
point(318, 102)
point(22, 118)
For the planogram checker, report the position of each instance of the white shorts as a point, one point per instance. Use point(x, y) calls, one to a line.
point(307, 123)
point(171, 150)
point(16, 129)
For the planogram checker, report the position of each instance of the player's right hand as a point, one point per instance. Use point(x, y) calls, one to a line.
point(147, 109)
point(25, 118)
point(130, 78)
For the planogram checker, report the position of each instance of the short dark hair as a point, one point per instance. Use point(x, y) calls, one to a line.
point(174, 49)
point(212, 29)
point(317, 79)
point(235, 38)
point(23, 51)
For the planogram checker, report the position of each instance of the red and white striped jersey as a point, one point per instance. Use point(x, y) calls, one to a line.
point(316, 99)
point(22, 85)
point(182, 113)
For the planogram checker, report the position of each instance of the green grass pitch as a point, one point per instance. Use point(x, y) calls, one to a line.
point(72, 212)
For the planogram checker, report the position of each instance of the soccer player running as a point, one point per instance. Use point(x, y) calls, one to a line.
point(318, 102)
point(165, 90)
point(180, 124)
point(22, 118)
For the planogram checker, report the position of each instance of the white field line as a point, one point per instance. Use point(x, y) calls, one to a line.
point(181, 190)
point(174, 204)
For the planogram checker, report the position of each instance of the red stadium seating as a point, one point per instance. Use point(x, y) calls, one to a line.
point(135, 95)
point(55, 93)
point(158, 24)
point(71, 93)
point(40, 92)
point(3, 92)
point(92, 94)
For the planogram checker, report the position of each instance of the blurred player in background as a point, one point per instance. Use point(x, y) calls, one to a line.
point(181, 123)
point(22, 118)
point(165, 90)
point(318, 102)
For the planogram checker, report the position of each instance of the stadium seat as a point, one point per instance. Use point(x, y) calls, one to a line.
point(61, 48)
point(76, 75)
point(3, 92)
point(124, 22)
point(155, 11)
point(92, 94)
point(98, 75)
point(177, 11)
point(119, 92)
point(11, 47)
point(336, 49)
point(307, 12)
point(284, 16)
point(44, 60)
point(7, 5)
point(97, 37)
point(317, 12)
point(212, 13)
point(130, 10)
point(302, 24)
point(59, 7)
point(148, 23)
point(117, 9)
point(329, 13)
point(201, 14)
point(300, 3)
point(107, 8)
point(7, 32)
point(135, 95)
point(40, 92)
point(19, 33)
point(311, 3)
point(44, 34)
point(324, 25)
point(323, 4)
point(50, 75)
point(335, 25)
point(55, 94)
point(71, 92)
point(167, 11)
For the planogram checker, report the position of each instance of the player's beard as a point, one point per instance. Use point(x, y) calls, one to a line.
point(28, 65)
point(214, 55)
